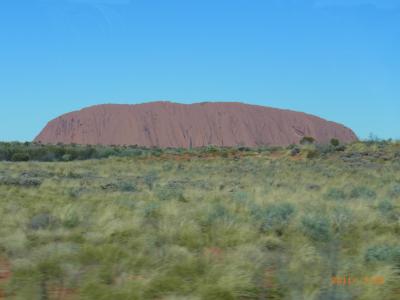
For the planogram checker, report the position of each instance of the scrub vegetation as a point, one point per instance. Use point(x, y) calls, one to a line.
point(302, 222)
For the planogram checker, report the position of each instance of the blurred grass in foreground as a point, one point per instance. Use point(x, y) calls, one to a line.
point(233, 223)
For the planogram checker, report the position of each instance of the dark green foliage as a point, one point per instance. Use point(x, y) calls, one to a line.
point(50, 269)
point(218, 212)
point(335, 142)
point(16, 151)
point(341, 219)
point(169, 193)
point(20, 157)
point(151, 210)
point(395, 191)
point(313, 187)
point(38, 152)
point(388, 210)
point(126, 186)
point(335, 194)
point(307, 140)
point(295, 151)
point(150, 178)
point(23, 181)
point(66, 157)
point(384, 253)
point(40, 221)
point(277, 217)
point(317, 227)
point(244, 149)
point(312, 153)
point(71, 221)
point(362, 192)
point(241, 197)
point(340, 148)
point(29, 181)
point(119, 185)
point(385, 206)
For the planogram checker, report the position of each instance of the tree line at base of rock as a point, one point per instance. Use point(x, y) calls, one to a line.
point(32, 151)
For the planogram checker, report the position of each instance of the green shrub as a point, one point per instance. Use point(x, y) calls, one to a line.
point(341, 219)
point(395, 191)
point(20, 157)
point(50, 269)
point(22, 181)
point(307, 140)
point(211, 149)
point(335, 142)
point(71, 221)
point(66, 157)
point(241, 197)
point(362, 192)
point(151, 210)
point(312, 153)
point(40, 221)
point(383, 253)
point(335, 194)
point(150, 178)
point(218, 212)
point(317, 227)
point(126, 186)
point(385, 206)
point(169, 193)
point(295, 151)
point(340, 148)
point(29, 181)
point(277, 217)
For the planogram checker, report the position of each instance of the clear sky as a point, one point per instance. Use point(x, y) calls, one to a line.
point(338, 59)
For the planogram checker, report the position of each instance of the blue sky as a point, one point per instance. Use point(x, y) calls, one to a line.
point(338, 59)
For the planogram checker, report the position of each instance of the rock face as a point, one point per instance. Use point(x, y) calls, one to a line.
point(166, 124)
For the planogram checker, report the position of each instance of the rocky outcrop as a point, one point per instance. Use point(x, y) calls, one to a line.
point(166, 124)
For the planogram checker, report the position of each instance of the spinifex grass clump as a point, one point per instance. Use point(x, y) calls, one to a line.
point(201, 223)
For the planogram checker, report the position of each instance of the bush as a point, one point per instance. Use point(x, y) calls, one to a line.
point(395, 191)
point(149, 179)
point(40, 221)
point(66, 157)
point(166, 193)
point(383, 253)
point(71, 221)
point(307, 140)
point(126, 186)
point(317, 227)
point(211, 149)
point(312, 153)
point(387, 209)
point(385, 206)
point(152, 210)
point(294, 151)
point(335, 194)
point(218, 212)
point(20, 157)
point(340, 148)
point(341, 219)
point(335, 142)
point(123, 186)
point(277, 217)
point(29, 181)
point(362, 192)
point(23, 181)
